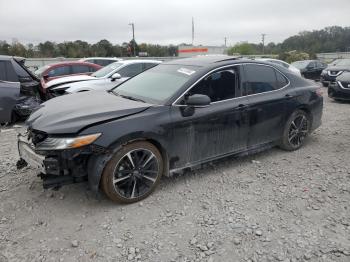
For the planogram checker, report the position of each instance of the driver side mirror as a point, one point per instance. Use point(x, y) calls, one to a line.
point(197, 100)
point(46, 76)
point(116, 76)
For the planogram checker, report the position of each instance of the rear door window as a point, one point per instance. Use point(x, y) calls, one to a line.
point(21, 73)
point(59, 71)
point(258, 79)
point(261, 79)
point(7, 73)
point(131, 70)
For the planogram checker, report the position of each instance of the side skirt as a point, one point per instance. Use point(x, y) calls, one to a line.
point(245, 152)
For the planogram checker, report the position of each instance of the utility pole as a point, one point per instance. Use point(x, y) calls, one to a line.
point(192, 31)
point(263, 43)
point(225, 41)
point(133, 37)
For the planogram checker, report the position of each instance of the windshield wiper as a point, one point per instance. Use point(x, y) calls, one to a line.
point(132, 98)
point(127, 97)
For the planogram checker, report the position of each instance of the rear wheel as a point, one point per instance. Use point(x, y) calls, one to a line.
point(133, 172)
point(296, 130)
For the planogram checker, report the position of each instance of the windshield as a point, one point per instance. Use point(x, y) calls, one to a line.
point(343, 62)
point(105, 71)
point(158, 84)
point(300, 64)
point(40, 71)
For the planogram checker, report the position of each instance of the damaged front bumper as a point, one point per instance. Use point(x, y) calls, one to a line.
point(57, 167)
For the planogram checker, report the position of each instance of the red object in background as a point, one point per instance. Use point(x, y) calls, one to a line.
point(194, 50)
point(63, 69)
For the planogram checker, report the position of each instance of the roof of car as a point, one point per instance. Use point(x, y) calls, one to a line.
point(131, 61)
point(204, 61)
point(101, 58)
point(8, 57)
point(72, 63)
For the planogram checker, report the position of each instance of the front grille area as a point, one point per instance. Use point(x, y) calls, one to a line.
point(36, 136)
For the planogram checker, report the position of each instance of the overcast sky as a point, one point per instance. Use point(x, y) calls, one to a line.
point(166, 21)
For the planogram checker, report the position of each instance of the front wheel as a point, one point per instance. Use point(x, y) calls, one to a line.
point(296, 130)
point(133, 172)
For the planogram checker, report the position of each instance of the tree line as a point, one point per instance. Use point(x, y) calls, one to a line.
point(308, 43)
point(78, 48)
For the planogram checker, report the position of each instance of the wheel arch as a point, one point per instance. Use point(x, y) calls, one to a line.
point(97, 163)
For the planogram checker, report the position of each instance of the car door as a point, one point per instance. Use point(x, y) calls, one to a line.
point(312, 70)
point(262, 85)
point(9, 91)
point(214, 130)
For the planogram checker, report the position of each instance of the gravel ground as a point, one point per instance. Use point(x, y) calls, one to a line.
point(273, 206)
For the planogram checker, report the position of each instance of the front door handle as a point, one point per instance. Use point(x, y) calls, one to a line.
point(289, 96)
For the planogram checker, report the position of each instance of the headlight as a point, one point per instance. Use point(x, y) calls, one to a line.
point(58, 143)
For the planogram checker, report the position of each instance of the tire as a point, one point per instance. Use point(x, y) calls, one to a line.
point(295, 131)
point(133, 172)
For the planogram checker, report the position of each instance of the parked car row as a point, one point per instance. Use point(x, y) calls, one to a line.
point(310, 69)
point(22, 91)
point(173, 116)
point(104, 79)
point(335, 76)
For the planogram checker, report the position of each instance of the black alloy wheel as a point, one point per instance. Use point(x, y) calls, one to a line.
point(133, 173)
point(296, 130)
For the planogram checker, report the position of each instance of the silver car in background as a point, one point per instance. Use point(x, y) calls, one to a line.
point(281, 63)
point(104, 79)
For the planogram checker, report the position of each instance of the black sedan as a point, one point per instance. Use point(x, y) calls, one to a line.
point(330, 74)
point(172, 117)
point(310, 69)
point(340, 89)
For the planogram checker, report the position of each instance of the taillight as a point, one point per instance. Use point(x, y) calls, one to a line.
point(319, 92)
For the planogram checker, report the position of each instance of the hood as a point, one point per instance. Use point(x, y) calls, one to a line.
point(100, 84)
point(338, 68)
point(344, 77)
point(70, 113)
point(68, 79)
